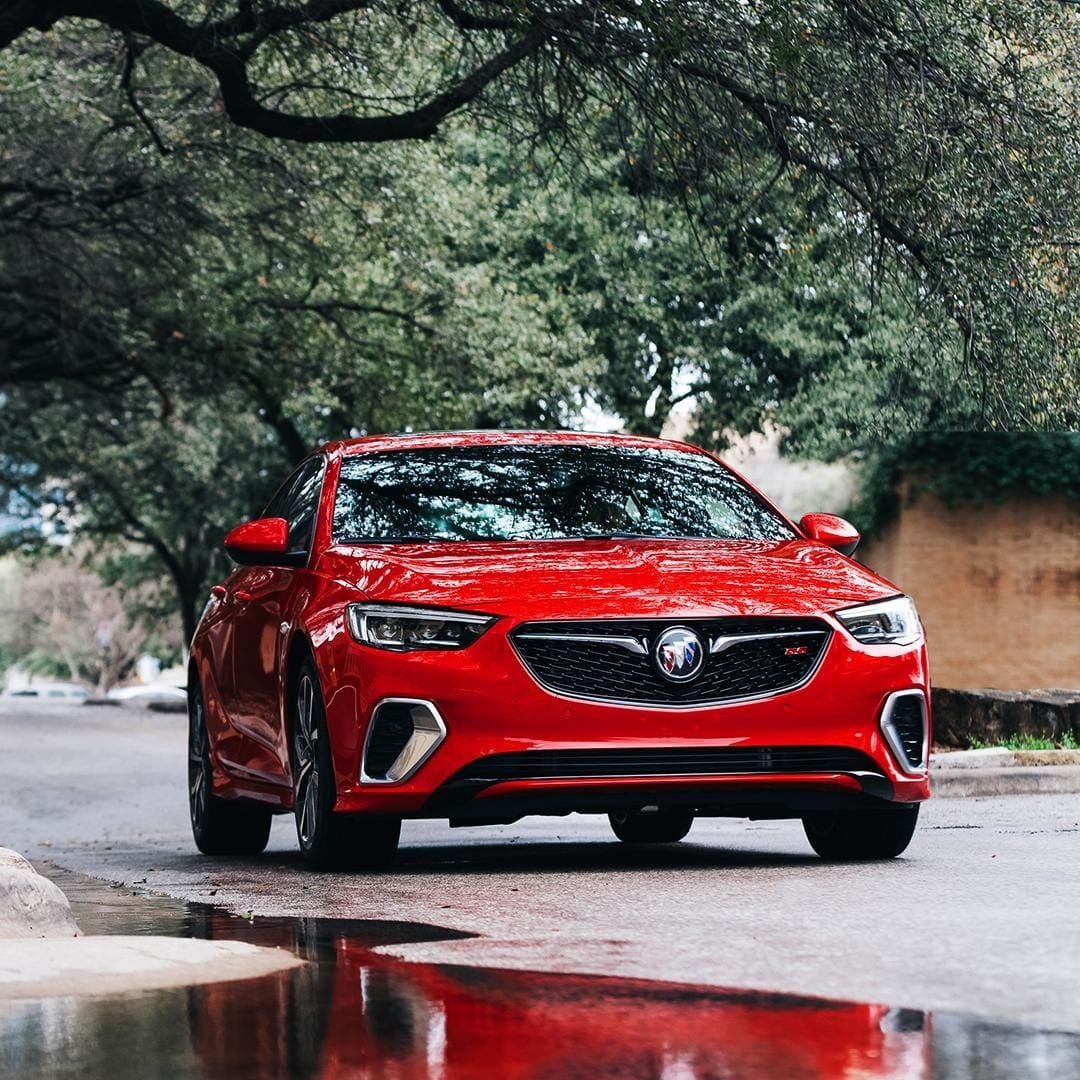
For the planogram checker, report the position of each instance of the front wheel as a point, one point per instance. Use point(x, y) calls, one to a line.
point(219, 826)
point(329, 840)
point(857, 836)
point(663, 826)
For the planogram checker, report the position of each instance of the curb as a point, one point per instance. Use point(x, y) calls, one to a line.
point(967, 782)
point(114, 964)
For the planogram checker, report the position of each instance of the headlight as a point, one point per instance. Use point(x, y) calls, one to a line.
point(888, 622)
point(403, 628)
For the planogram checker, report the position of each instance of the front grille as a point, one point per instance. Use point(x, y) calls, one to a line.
point(607, 670)
point(663, 761)
point(906, 719)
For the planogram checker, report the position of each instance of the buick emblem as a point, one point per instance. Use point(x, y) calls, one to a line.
point(679, 654)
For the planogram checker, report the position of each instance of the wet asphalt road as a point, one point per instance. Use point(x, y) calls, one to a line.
point(353, 1011)
point(978, 918)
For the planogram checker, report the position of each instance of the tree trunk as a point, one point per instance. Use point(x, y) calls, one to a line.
point(187, 592)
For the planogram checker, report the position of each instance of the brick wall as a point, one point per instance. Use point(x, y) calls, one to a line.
point(998, 588)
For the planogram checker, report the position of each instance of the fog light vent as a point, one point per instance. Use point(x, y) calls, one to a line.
point(903, 723)
point(402, 735)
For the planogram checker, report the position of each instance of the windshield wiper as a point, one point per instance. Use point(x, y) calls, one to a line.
point(621, 535)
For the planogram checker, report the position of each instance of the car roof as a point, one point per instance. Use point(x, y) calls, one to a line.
point(499, 437)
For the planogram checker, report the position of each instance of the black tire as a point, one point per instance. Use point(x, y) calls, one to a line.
point(667, 825)
point(857, 836)
point(328, 841)
point(219, 826)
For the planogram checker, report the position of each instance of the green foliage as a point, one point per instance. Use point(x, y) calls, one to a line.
point(177, 329)
point(966, 467)
point(1029, 742)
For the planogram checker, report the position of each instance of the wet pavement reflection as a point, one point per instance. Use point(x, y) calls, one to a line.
point(353, 1012)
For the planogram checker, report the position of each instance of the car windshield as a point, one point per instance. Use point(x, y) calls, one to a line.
point(544, 492)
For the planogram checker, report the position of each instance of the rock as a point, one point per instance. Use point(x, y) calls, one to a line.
point(12, 860)
point(31, 906)
point(992, 716)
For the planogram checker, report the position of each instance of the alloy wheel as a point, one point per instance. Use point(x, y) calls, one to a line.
point(306, 755)
point(198, 761)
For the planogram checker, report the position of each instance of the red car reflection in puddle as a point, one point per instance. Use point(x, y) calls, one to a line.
point(354, 1012)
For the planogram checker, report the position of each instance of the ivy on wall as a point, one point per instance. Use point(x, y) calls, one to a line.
point(966, 467)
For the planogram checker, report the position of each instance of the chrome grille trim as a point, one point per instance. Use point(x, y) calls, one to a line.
point(630, 644)
point(719, 644)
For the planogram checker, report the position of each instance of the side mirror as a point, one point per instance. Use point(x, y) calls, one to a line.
point(831, 530)
point(263, 542)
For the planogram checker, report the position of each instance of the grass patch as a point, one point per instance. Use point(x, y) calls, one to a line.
point(1029, 742)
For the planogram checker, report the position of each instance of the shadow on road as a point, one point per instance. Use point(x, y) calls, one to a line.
point(584, 857)
point(518, 857)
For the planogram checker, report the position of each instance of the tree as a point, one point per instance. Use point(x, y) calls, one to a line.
point(61, 619)
point(946, 135)
point(178, 328)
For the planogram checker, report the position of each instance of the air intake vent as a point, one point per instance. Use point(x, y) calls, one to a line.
point(402, 735)
point(903, 722)
point(391, 729)
point(664, 761)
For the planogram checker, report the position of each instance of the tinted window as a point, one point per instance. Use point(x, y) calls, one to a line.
point(297, 500)
point(544, 493)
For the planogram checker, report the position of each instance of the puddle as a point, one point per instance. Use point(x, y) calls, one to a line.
point(353, 1013)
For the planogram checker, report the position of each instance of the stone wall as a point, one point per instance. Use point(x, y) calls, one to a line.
point(997, 586)
point(991, 717)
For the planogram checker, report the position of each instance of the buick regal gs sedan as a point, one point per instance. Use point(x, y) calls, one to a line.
point(476, 626)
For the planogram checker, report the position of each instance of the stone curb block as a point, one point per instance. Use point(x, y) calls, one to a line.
point(31, 906)
point(120, 964)
point(995, 757)
point(1007, 780)
point(999, 757)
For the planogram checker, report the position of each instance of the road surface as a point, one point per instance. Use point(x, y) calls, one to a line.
point(979, 916)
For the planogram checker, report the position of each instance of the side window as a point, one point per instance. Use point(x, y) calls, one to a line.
point(303, 504)
point(297, 500)
point(276, 506)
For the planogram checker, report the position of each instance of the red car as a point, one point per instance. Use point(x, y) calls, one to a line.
point(483, 625)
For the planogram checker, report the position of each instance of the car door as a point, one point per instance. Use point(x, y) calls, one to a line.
point(259, 598)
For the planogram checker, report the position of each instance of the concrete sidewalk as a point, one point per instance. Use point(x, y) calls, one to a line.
point(999, 771)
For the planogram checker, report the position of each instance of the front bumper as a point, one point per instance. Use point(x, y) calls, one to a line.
point(491, 705)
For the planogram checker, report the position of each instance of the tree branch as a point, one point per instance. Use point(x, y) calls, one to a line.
point(130, 56)
point(219, 47)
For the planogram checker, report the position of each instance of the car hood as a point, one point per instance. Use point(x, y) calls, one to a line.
point(611, 578)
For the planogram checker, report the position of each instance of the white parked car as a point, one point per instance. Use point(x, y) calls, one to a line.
point(142, 695)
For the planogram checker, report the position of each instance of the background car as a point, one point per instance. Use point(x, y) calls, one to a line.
point(479, 626)
point(54, 690)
